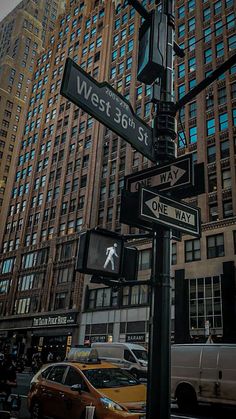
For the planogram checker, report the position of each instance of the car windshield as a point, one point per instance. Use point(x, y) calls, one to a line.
point(110, 377)
point(140, 354)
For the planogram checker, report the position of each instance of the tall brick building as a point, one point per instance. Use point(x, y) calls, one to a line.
point(22, 36)
point(69, 173)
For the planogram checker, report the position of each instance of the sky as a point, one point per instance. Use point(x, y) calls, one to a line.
point(7, 6)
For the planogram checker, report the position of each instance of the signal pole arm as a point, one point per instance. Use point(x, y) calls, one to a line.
point(206, 82)
point(140, 9)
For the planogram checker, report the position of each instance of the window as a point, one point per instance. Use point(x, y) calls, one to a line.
point(207, 55)
point(144, 259)
point(192, 110)
point(224, 149)
point(181, 12)
point(181, 30)
point(227, 209)
point(192, 250)
point(212, 182)
point(193, 135)
point(206, 13)
point(226, 179)
point(56, 373)
point(78, 224)
point(232, 42)
point(213, 212)
point(222, 96)
point(192, 64)
point(207, 34)
point(191, 5)
point(22, 306)
point(191, 43)
point(217, 7)
point(73, 377)
point(205, 302)
point(234, 117)
point(218, 28)
point(230, 19)
point(7, 265)
point(215, 246)
point(191, 24)
point(219, 49)
point(223, 121)
point(181, 70)
point(210, 126)
point(211, 154)
point(65, 275)
point(181, 90)
point(174, 254)
point(114, 55)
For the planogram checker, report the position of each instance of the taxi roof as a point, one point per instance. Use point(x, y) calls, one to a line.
point(90, 365)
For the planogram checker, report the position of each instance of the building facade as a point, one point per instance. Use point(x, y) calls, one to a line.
point(22, 38)
point(69, 174)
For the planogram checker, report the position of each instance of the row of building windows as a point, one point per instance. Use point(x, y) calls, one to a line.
point(192, 250)
point(223, 124)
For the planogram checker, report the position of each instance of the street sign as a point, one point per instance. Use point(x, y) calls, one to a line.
point(102, 102)
point(129, 214)
point(171, 176)
point(159, 209)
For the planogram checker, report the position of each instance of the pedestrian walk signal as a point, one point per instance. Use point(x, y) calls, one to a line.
point(100, 252)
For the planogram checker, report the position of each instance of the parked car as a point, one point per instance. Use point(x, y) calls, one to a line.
point(130, 356)
point(63, 390)
point(203, 373)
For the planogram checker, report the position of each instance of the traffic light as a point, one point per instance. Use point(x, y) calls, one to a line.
point(100, 252)
point(152, 48)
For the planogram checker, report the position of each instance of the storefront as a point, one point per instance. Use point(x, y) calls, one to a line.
point(52, 334)
point(42, 334)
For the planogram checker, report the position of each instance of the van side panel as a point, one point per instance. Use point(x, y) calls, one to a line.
point(209, 386)
point(110, 352)
point(227, 369)
point(185, 366)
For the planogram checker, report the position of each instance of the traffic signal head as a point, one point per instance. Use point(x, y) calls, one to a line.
point(152, 48)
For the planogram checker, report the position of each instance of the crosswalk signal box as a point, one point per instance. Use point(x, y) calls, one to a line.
point(100, 253)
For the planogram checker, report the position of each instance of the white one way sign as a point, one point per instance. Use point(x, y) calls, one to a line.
point(160, 209)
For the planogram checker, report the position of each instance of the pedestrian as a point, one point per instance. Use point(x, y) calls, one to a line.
point(50, 357)
point(7, 375)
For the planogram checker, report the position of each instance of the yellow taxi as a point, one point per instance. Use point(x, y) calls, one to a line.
point(63, 390)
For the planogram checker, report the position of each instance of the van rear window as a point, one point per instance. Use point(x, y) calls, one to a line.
point(110, 378)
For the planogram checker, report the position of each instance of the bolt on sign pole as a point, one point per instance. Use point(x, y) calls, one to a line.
point(159, 371)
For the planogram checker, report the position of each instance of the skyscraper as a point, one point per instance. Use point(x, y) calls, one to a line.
point(69, 174)
point(22, 37)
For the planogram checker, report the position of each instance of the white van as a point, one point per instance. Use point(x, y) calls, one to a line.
point(129, 356)
point(203, 373)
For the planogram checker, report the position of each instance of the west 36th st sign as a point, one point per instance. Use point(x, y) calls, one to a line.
point(101, 101)
point(159, 209)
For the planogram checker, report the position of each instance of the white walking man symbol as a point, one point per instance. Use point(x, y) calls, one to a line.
point(111, 252)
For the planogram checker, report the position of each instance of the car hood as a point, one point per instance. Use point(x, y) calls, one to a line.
point(130, 396)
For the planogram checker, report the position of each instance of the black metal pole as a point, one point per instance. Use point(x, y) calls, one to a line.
point(158, 400)
point(159, 365)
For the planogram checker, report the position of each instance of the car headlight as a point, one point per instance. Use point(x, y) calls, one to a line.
point(109, 404)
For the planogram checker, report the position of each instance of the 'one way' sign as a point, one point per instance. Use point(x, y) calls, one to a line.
point(159, 209)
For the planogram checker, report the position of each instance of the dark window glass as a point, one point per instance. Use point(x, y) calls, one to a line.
point(57, 373)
